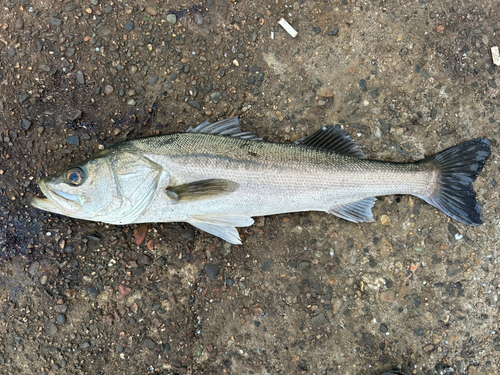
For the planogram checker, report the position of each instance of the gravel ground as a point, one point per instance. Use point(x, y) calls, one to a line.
point(306, 292)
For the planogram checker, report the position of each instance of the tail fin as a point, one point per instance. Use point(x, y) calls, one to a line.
point(459, 167)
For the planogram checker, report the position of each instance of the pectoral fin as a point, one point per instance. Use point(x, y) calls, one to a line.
point(203, 189)
point(223, 226)
point(356, 212)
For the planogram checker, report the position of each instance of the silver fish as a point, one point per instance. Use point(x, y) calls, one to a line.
point(217, 178)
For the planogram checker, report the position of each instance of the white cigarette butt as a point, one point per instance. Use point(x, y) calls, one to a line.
point(288, 28)
point(495, 55)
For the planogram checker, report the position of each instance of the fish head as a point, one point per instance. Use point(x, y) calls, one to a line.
point(114, 186)
point(79, 191)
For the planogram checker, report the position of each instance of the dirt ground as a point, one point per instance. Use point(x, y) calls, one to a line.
point(305, 293)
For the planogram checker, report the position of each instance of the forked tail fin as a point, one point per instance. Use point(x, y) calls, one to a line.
point(459, 167)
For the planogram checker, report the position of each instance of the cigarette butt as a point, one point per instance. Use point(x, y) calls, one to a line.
point(288, 28)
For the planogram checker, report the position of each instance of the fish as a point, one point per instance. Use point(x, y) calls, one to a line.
point(217, 177)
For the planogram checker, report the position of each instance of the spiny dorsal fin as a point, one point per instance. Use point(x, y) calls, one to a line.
point(333, 138)
point(202, 189)
point(356, 212)
point(229, 127)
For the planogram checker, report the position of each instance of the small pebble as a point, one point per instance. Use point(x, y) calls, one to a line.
point(50, 329)
point(149, 344)
point(198, 18)
point(108, 89)
point(316, 30)
point(55, 21)
point(73, 140)
point(212, 270)
point(334, 31)
point(363, 84)
point(385, 220)
point(80, 77)
point(171, 18)
point(61, 319)
point(129, 25)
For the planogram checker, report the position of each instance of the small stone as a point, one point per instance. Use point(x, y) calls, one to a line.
point(131, 102)
point(129, 25)
point(363, 84)
point(212, 270)
point(50, 329)
point(171, 18)
point(325, 92)
point(33, 269)
point(124, 290)
point(385, 220)
point(296, 5)
point(334, 31)
point(154, 80)
point(55, 21)
point(140, 232)
point(419, 331)
point(149, 344)
point(85, 345)
point(251, 80)
point(19, 23)
point(93, 292)
point(215, 97)
point(383, 328)
point(41, 130)
point(388, 296)
point(80, 77)
point(316, 30)
point(108, 89)
point(73, 140)
point(440, 29)
point(492, 84)
point(23, 97)
point(319, 320)
point(198, 18)
point(26, 123)
point(194, 104)
point(268, 265)
point(151, 11)
point(70, 51)
point(74, 114)
point(61, 319)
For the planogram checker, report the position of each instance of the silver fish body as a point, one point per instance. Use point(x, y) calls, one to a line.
point(217, 178)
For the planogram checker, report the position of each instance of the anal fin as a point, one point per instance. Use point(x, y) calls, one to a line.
point(356, 212)
point(222, 225)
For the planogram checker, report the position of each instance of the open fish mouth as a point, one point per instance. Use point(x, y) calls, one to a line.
point(56, 201)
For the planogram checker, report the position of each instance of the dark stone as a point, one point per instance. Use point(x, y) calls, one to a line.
point(93, 292)
point(194, 104)
point(55, 21)
point(26, 123)
point(212, 270)
point(419, 331)
point(149, 344)
point(334, 31)
point(129, 25)
point(268, 265)
point(61, 319)
point(316, 29)
point(251, 80)
point(434, 113)
point(363, 84)
point(383, 328)
point(73, 140)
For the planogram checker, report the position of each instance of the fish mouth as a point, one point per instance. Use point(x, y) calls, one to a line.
point(56, 201)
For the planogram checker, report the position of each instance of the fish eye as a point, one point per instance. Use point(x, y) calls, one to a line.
point(75, 176)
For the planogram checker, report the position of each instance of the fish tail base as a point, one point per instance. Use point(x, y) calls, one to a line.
point(459, 166)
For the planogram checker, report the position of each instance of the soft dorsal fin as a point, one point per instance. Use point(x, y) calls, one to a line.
point(229, 127)
point(333, 138)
